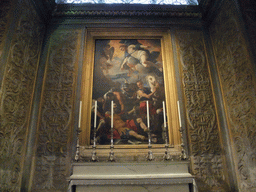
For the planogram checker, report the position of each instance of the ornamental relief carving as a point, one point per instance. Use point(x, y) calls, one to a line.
point(238, 86)
point(56, 113)
point(17, 92)
point(203, 134)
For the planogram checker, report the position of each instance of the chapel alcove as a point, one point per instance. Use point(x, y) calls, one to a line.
point(203, 54)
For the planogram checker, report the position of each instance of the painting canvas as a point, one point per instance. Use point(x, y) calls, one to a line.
point(128, 72)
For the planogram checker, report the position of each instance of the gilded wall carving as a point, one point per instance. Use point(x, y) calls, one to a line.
point(238, 86)
point(16, 95)
point(202, 127)
point(52, 160)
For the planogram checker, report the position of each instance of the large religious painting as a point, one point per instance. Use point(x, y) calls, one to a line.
point(128, 90)
point(129, 94)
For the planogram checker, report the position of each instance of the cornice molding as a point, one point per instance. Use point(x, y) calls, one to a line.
point(115, 10)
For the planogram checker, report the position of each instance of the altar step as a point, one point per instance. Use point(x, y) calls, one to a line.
point(170, 176)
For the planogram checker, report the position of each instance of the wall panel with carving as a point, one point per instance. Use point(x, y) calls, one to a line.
point(54, 135)
point(204, 142)
point(5, 20)
point(238, 86)
point(17, 94)
point(249, 15)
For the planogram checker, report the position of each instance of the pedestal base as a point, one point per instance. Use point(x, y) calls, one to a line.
point(116, 177)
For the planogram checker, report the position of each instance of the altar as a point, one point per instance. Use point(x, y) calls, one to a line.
point(171, 176)
point(130, 135)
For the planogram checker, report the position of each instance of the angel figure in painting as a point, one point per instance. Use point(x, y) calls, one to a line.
point(138, 58)
point(106, 57)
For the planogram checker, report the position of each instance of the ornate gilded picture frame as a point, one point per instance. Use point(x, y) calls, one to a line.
point(128, 92)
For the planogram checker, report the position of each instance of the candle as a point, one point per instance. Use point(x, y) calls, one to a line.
point(179, 113)
point(95, 113)
point(164, 114)
point(148, 114)
point(112, 113)
point(80, 111)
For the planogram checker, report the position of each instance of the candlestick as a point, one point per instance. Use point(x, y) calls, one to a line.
point(95, 124)
point(112, 113)
point(164, 114)
point(148, 114)
point(80, 111)
point(150, 156)
point(179, 113)
point(95, 113)
point(112, 123)
point(166, 154)
point(77, 156)
point(111, 154)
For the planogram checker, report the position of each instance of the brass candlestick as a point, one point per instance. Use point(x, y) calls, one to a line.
point(183, 155)
point(111, 153)
point(150, 156)
point(167, 155)
point(94, 157)
point(77, 156)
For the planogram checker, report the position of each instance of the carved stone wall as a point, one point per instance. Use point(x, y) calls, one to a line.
point(57, 108)
point(4, 21)
point(249, 16)
point(202, 128)
point(17, 93)
point(237, 80)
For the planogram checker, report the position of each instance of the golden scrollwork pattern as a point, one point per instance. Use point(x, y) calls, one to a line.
point(17, 93)
point(238, 86)
point(56, 112)
point(202, 127)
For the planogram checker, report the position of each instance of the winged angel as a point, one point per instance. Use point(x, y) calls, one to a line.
point(137, 57)
point(105, 61)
